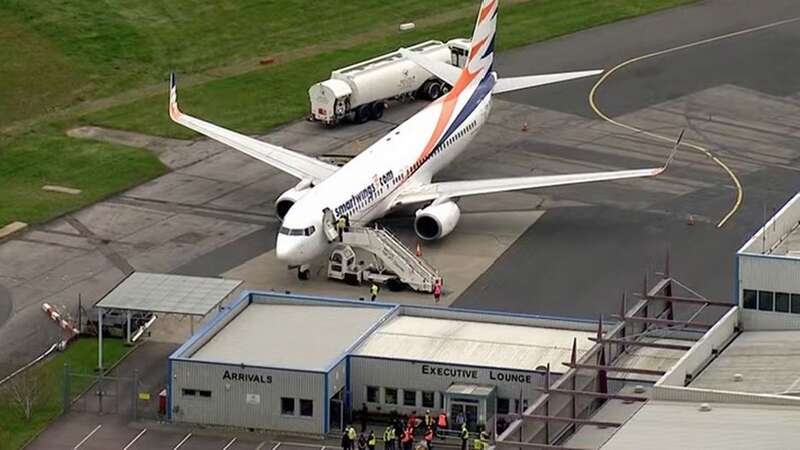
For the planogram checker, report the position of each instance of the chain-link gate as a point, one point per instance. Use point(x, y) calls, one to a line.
point(103, 394)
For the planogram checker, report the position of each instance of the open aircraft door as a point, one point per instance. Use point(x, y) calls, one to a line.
point(329, 225)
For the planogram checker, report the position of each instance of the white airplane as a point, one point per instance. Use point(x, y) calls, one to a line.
point(397, 169)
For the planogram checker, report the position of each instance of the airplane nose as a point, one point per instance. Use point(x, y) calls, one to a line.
point(286, 250)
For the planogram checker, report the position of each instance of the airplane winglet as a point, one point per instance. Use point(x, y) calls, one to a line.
point(674, 149)
point(174, 112)
point(671, 154)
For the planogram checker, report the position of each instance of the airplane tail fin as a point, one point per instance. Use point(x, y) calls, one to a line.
point(481, 54)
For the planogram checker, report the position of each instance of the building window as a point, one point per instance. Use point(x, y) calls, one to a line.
point(749, 297)
point(781, 302)
point(306, 407)
point(409, 397)
point(373, 394)
point(765, 300)
point(195, 393)
point(390, 396)
point(796, 303)
point(428, 399)
point(502, 406)
point(287, 406)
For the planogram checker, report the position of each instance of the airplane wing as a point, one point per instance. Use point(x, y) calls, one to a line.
point(439, 69)
point(294, 163)
point(453, 189)
point(517, 83)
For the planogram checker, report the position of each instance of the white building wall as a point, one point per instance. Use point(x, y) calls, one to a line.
point(419, 376)
point(768, 273)
point(249, 401)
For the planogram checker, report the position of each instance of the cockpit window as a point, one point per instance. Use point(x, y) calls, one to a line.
point(297, 231)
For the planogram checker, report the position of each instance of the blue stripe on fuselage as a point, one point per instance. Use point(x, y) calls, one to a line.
point(484, 88)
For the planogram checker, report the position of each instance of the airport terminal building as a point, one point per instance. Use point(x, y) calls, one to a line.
point(300, 364)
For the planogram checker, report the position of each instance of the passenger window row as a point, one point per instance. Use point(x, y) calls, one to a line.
point(771, 301)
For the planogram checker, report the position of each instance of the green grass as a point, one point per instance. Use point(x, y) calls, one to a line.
point(81, 357)
point(69, 54)
point(259, 100)
point(34, 160)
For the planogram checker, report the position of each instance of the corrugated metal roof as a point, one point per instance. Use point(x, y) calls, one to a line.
point(473, 343)
point(769, 362)
point(681, 425)
point(303, 337)
point(173, 294)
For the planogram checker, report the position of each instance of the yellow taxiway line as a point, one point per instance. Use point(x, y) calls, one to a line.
point(607, 74)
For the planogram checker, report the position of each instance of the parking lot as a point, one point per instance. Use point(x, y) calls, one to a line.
point(87, 431)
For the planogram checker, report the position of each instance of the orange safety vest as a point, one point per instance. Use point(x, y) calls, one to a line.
point(429, 435)
point(442, 421)
point(407, 436)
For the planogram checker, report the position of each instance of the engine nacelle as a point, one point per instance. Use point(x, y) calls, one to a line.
point(436, 221)
point(287, 200)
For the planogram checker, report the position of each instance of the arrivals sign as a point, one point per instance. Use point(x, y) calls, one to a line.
point(248, 377)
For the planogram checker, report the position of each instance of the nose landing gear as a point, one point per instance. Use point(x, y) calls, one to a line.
point(303, 272)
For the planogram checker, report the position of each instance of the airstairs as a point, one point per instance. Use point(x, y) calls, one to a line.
point(411, 269)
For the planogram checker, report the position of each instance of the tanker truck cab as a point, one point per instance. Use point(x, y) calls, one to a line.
point(330, 100)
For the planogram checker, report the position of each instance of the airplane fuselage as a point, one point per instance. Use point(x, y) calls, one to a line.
point(367, 187)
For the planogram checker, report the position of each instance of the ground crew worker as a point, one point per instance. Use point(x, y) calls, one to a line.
point(464, 435)
point(437, 291)
point(371, 440)
point(345, 440)
point(362, 442)
point(483, 439)
point(429, 438)
point(428, 419)
point(341, 225)
point(441, 424)
point(388, 438)
point(408, 438)
point(351, 436)
point(373, 290)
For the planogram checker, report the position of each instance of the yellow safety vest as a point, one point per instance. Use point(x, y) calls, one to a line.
point(374, 289)
point(372, 440)
point(351, 433)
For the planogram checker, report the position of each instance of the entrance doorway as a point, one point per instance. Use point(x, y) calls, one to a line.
point(466, 410)
point(336, 412)
point(471, 404)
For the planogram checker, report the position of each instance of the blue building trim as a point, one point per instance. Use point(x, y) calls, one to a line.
point(169, 390)
point(325, 406)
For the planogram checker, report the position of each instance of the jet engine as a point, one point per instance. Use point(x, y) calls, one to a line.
point(437, 220)
point(287, 200)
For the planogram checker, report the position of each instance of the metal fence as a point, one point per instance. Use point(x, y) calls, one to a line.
point(103, 394)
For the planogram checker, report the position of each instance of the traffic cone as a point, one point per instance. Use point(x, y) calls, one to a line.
point(525, 126)
point(690, 220)
point(419, 250)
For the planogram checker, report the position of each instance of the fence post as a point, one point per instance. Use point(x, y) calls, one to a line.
point(66, 398)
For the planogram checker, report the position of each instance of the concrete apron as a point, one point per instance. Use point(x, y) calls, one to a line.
point(478, 240)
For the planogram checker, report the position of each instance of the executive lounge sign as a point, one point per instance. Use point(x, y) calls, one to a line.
point(472, 374)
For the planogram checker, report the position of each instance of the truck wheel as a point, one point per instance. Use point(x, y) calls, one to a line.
point(376, 112)
point(434, 90)
point(362, 113)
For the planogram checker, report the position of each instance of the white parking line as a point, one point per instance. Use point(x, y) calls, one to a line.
point(87, 437)
point(135, 439)
point(261, 445)
point(229, 444)
point(185, 438)
point(276, 446)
